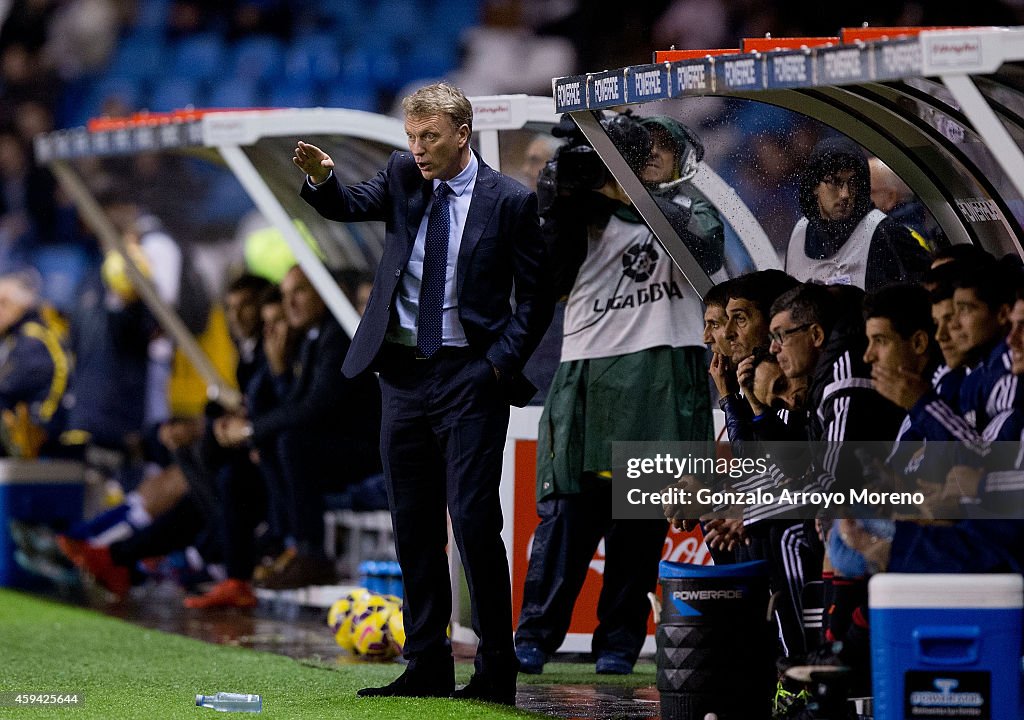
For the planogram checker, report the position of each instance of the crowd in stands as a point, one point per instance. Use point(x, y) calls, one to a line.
point(65, 61)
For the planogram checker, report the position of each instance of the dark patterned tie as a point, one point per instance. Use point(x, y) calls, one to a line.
point(435, 265)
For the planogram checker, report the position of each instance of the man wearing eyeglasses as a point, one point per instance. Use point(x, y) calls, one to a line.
point(817, 333)
point(842, 238)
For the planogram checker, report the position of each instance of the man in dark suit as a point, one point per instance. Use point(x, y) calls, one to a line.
point(323, 427)
point(441, 330)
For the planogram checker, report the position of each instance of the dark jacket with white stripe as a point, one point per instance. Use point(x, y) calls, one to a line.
point(844, 408)
point(990, 388)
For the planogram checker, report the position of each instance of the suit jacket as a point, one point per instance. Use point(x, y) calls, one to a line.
point(335, 419)
point(501, 251)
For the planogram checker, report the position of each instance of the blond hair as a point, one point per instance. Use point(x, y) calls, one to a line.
point(440, 99)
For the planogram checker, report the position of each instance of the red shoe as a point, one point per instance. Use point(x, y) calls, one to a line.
point(96, 561)
point(228, 593)
point(74, 550)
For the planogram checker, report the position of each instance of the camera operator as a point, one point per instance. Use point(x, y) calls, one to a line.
point(633, 341)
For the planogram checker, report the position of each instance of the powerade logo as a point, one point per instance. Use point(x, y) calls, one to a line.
point(569, 94)
point(682, 598)
point(943, 696)
point(947, 695)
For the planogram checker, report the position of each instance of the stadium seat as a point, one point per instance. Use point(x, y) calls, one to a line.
point(63, 267)
point(199, 57)
point(312, 58)
point(386, 71)
point(140, 56)
point(394, 19)
point(341, 96)
point(355, 72)
point(234, 92)
point(152, 14)
point(124, 91)
point(224, 202)
point(293, 95)
point(365, 68)
point(258, 58)
point(449, 18)
point(345, 16)
point(428, 62)
point(175, 93)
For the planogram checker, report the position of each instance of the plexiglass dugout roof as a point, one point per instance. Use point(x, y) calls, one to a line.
point(944, 108)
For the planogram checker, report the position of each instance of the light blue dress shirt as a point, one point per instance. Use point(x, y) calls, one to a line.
point(407, 297)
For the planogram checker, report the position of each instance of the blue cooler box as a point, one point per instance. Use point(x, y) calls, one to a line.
point(946, 646)
point(37, 492)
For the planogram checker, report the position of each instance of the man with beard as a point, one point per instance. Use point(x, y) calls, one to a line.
point(843, 239)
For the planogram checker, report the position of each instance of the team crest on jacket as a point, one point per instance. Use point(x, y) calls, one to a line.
point(639, 262)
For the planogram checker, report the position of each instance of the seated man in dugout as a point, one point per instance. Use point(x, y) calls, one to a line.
point(325, 428)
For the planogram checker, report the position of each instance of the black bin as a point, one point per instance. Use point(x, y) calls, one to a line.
point(716, 648)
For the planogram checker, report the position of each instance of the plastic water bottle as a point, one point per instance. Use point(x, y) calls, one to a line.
point(231, 702)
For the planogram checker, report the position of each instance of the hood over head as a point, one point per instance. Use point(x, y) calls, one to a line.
point(828, 157)
point(689, 148)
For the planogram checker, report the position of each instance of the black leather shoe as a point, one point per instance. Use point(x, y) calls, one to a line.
point(489, 689)
point(416, 683)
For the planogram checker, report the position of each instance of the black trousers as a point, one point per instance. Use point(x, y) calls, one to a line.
point(571, 526)
point(794, 559)
point(442, 439)
point(304, 488)
point(243, 506)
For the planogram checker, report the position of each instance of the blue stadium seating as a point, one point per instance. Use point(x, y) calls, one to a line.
point(386, 70)
point(342, 96)
point(233, 92)
point(126, 91)
point(449, 18)
point(225, 200)
point(139, 55)
point(428, 62)
point(152, 14)
point(363, 70)
point(174, 93)
point(312, 57)
point(345, 54)
point(259, 58)
point(63, 268)
point(394, 19)
point(290, 94)
point(345, 17)
point(200, 57)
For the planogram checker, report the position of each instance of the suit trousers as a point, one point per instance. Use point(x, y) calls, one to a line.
point(443, 433)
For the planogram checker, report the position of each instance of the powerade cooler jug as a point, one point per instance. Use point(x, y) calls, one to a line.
point(715, 644)
point(946, 646)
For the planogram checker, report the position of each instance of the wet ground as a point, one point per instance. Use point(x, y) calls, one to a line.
point(300, 632)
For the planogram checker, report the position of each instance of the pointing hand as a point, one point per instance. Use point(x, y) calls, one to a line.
point(313, 161)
